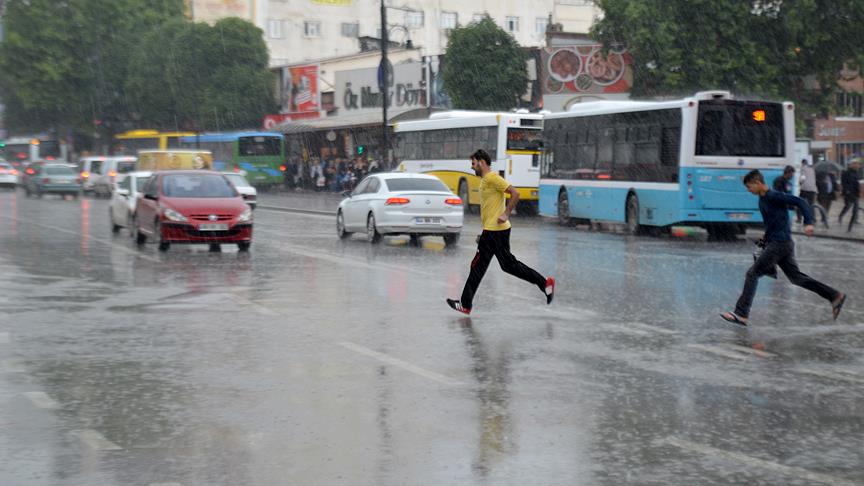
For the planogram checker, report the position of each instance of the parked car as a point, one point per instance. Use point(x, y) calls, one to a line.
point(192, 206)
point(54, 179)
point(8, 175)
point(124, 198)
point(103, 179)
point(249, 193)
point(400, 203)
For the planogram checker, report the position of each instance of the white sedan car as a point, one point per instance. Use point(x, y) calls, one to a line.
point(400, 203)
point(8, 175)
point(248, 191)
point(124, 197)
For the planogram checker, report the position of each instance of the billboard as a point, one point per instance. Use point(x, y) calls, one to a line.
point(583, 71)
point(298, 92)
point(357, 90)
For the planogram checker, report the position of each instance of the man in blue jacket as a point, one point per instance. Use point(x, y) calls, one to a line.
point(779, 249)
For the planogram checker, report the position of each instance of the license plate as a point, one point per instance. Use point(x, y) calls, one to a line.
point(427, 220)
point(740, 216)
point(212, 227)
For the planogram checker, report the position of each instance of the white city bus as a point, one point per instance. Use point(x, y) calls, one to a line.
point(656, 164)
point(441, 146)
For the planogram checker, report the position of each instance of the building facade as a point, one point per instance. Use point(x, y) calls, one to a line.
point(297, 31)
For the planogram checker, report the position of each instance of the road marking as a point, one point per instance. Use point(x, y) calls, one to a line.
point(41, 400)
point(717, 350)
point(745, 349)
point(840, 376)
point(96, 441)
point(755, 461)
point(401, 364)
point(4, 338)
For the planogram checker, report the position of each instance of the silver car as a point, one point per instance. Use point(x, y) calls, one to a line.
point(124, 197)
point(400, 203)
point(8, 175)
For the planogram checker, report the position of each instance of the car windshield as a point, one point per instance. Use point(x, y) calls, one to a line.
point(412, 184)
point(196, 185)
point(238, 180)
point(125, 167)
point(59, 171)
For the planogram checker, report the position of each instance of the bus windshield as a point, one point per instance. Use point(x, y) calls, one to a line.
point(524, 139)
point(740, 129)
point(259, 146)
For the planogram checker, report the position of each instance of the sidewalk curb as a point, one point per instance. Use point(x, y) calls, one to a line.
point(830, 237)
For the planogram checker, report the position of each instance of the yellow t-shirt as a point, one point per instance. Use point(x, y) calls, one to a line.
point(492, 201)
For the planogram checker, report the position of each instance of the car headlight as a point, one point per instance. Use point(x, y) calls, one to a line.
point(245, 216)
point(174, 215)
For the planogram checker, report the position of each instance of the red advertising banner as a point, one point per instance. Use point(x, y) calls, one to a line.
point(299, 89)
point(586, 69)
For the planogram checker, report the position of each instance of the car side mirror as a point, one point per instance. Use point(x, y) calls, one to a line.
point(346, 194)
point(152, 197)
point(122, 192)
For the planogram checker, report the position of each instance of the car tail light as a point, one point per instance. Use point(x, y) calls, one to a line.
point(45, 180)
point(14, 171)
point(85, 175)
point(455, 201)
point(30, 171)
point(49, 158)
point(397, 200)
point(236, 168)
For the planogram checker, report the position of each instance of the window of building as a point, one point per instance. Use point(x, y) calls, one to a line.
point(274, 28)
point(350, 29)
point(414, 18)
point(448, 20)
point(511, 24)
point(312, 28)
point(540, 24)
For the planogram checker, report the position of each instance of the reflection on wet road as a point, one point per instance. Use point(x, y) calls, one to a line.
point(311, 360)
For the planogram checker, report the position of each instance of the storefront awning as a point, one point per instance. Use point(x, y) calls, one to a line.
point(352, 120)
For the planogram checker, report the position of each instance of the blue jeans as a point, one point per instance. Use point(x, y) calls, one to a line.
point(782, 254)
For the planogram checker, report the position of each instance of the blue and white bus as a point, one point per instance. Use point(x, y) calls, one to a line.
point(260, 154)
point(654, 164)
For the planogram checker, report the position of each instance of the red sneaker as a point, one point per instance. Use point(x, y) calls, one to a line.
point(550, 290)
point(457, 306)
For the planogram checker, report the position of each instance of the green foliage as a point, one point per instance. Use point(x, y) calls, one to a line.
point(63, 64)
point(768, 48)
point(485, 68)
point(189, 75)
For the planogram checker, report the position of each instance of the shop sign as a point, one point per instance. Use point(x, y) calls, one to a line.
point(357, 90)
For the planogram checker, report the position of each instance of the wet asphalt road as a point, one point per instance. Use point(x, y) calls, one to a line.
point(312, 361)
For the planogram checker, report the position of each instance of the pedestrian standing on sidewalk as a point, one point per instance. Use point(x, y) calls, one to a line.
point(827, 184)
point(495, 238)
point(779, 249)
point(808, 182)
point(849, 180)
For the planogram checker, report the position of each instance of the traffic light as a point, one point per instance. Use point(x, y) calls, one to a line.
point(361, 149)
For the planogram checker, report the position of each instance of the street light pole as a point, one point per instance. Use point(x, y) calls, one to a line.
point(383, 74)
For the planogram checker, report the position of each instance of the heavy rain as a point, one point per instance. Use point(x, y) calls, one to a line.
point(406, 242)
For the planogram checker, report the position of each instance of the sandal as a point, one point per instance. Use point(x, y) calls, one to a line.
point(836, 308)
point(734, 319)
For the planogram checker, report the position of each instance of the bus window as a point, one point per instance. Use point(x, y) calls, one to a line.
point(739, 129)
point(260, 146)
point(524, 139)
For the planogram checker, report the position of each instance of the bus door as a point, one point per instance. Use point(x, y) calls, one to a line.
point(522, 159)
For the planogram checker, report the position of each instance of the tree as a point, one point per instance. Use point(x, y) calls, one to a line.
point(485, 68)
point(769, 48)
point(193, 75)
point(64, 64)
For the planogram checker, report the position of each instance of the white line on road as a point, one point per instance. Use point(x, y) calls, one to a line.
point(717, 350)
point(41, 400)
point(96, 441)
point(745, 349)
point(797, 472)
point(400, 364)
point(4, 338)
point(839, 376)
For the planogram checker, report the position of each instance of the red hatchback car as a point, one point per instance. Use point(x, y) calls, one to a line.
point(192, 206)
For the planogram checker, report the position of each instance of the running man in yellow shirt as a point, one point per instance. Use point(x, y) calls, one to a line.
point(495, 238)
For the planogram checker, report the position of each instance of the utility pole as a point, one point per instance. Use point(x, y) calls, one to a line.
point(383, 88)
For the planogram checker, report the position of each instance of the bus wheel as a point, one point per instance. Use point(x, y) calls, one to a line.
point(463, 195)
point(563, 209)
point(632, 213)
